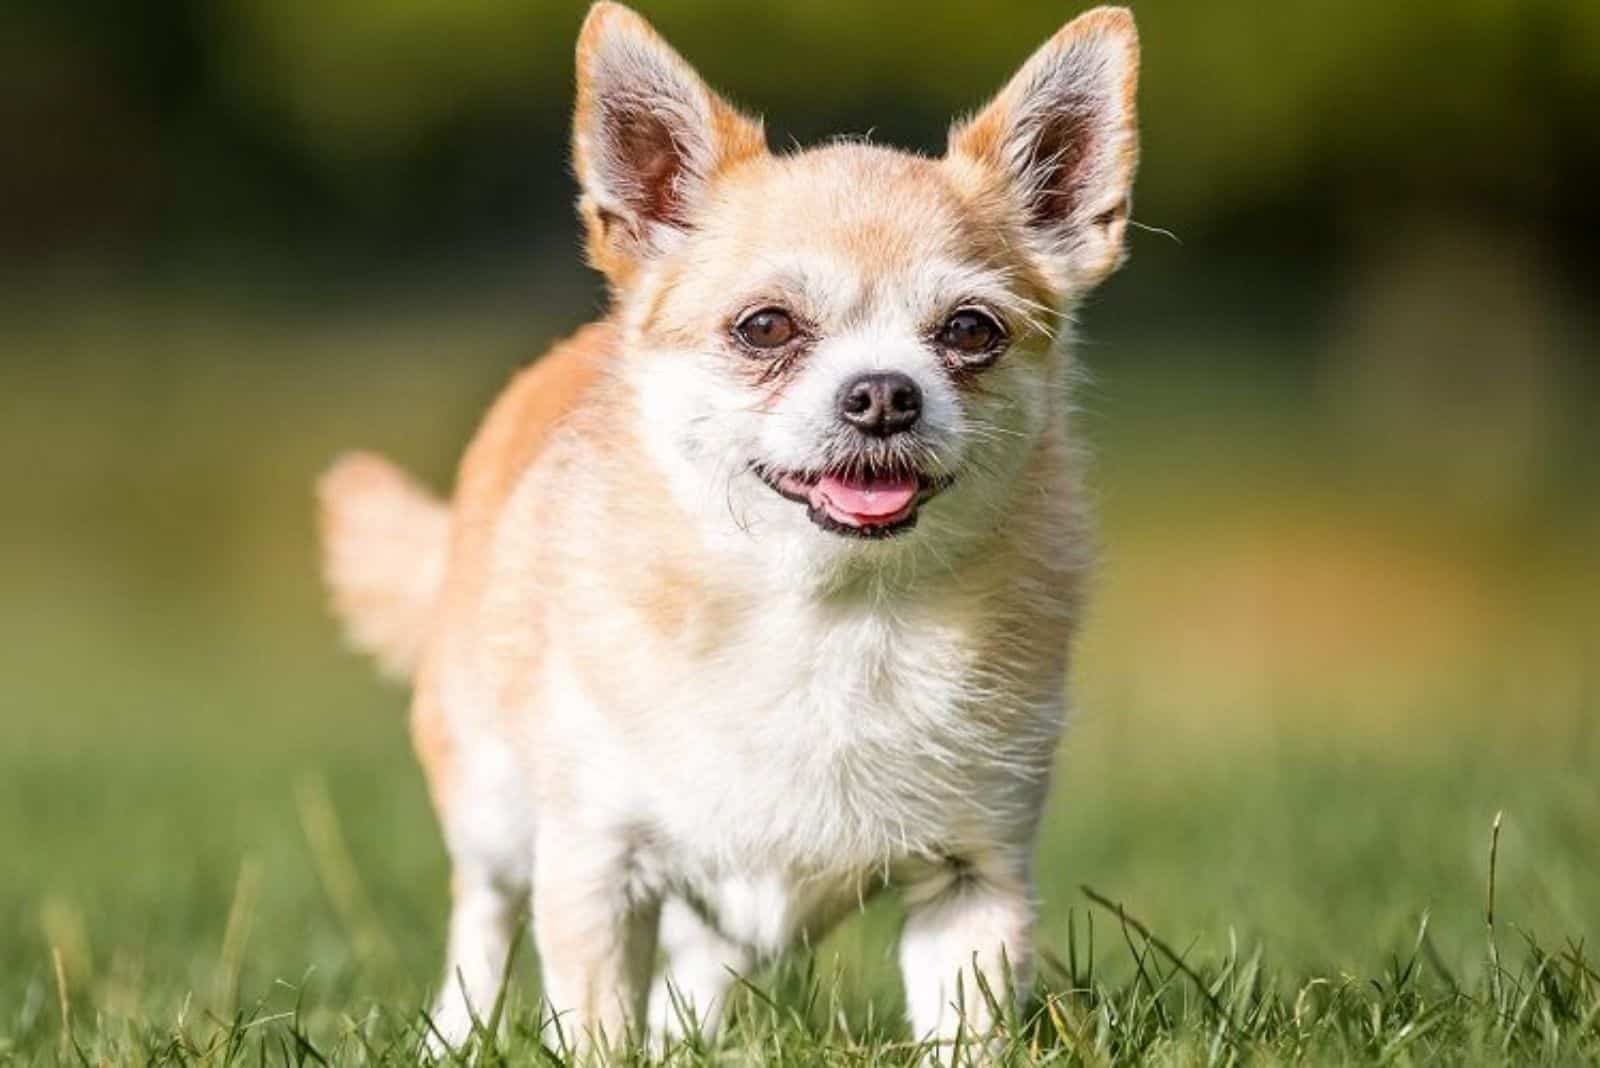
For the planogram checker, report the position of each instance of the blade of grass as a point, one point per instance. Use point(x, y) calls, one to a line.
point(1166, 951)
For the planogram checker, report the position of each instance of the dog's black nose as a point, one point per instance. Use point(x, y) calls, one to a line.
point(881, 403)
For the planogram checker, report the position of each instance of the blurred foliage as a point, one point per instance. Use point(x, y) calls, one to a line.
point(277, 122)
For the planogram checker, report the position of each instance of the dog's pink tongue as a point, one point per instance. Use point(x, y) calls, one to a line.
point(866, 500)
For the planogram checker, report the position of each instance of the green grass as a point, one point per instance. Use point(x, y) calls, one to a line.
point(1313, 677)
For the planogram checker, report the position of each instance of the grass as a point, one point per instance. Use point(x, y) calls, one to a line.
point(1313, 678)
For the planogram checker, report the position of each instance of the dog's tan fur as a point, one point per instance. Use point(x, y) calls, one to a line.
point(635, 666)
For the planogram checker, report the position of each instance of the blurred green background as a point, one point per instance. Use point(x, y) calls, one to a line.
point(1346, 424)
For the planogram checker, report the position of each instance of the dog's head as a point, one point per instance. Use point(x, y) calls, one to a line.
point(832, 344)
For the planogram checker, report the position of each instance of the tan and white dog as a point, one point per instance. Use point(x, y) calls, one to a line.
point(756, 596)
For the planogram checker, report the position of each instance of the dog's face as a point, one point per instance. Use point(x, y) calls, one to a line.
point(837, 346)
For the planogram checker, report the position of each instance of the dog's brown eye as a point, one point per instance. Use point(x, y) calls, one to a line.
point(970, 332)
point(769, 328)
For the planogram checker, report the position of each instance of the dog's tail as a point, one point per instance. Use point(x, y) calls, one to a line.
point(385, 543)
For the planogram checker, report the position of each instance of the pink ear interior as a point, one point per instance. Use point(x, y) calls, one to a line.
point(1057, 158)
point(642, 162)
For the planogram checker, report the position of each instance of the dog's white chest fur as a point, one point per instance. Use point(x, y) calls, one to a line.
point(824, 739)
point(828, 749)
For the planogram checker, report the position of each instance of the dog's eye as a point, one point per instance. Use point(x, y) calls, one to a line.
point(971, 333)
point(769, 328)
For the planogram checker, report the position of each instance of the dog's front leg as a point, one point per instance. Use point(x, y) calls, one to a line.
point(967, 950)
point(596, 930)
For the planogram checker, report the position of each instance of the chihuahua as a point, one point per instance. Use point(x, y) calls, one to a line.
point(755, 597)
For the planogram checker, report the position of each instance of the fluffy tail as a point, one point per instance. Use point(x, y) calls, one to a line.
point(385, 540)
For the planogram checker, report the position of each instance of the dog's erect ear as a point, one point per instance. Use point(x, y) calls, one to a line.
point(1061, 140)
point(648, 138)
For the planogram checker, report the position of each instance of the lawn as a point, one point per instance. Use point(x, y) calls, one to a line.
point(1322, 659)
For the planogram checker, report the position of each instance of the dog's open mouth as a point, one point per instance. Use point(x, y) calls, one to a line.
point(862, 502)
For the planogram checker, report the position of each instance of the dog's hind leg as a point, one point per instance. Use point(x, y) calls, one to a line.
point(484, 814)
point(701, 964)
point(483, 918)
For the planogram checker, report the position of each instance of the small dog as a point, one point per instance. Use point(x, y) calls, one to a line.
point(756, 596)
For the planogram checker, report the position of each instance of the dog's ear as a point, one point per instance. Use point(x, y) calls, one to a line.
point(648, 138)
point(1060, 144)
